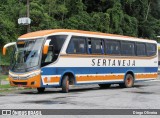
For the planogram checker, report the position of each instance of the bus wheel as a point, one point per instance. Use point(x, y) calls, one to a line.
point(128, 82)
point(40, 89)
point(65, 84)
point(103, 86)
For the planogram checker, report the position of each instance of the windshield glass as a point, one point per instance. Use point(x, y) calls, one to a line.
point(27, 54)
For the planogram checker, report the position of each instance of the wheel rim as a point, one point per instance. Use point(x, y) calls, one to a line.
point(129, 81)
point(67, 85)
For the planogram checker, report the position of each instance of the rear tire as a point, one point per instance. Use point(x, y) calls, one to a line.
point(128, 81)
point(103, 86)
point(40, 89)
point(65, 84)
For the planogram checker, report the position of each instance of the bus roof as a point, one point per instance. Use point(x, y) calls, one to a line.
point(43, 33)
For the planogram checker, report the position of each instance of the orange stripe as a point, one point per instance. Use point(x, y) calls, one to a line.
point(96, 78)
point(47, 32)
point(52, 79)
point(140, 76)
point(113, 77)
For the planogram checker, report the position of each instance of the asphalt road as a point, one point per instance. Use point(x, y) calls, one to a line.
point(144, 95)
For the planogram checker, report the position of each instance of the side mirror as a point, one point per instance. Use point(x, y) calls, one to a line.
point(46, 47)
point(8, 45)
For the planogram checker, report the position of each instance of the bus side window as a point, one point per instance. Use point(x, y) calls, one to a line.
point(97, 46)
point(151, 49)
point(127, 48)
point(77, 45)
point(55, 46)
point(112, 47)
point(140, 49)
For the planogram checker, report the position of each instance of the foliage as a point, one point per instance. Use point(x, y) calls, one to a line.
point(139, 18)
point(5, 86)
point(3, 77)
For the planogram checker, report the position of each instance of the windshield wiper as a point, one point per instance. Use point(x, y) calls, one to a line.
point(34, 53)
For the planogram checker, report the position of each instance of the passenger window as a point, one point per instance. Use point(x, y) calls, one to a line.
point(140, 49)
point(55, 44)
point(127, 48)
point(77, 46)
point(112, 47)
point(151, 49)
point(97, 46)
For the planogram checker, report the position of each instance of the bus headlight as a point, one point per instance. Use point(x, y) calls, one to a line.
point(25, 76)
point(33, 74)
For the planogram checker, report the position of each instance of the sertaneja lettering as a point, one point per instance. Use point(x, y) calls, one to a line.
point(112, 62)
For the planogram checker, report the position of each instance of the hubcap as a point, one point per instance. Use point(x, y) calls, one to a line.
point(67, 85)
point(129, 81)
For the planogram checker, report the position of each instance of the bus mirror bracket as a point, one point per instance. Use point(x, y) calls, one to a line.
point(8, 45)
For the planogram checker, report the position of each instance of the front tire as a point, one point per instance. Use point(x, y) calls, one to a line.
point(128, 82)
point(65, 84)
point(40, 89)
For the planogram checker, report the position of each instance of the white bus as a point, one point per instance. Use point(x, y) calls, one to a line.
point(61, 57)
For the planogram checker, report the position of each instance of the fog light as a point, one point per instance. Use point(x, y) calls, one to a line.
point(32, 83)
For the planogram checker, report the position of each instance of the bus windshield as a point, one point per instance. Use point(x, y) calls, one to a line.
point(27, 55)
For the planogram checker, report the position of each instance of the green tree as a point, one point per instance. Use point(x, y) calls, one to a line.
point(116, 18)
point(140, 18)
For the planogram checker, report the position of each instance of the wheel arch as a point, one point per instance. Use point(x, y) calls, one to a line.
point(72, 77)
point(130, 72)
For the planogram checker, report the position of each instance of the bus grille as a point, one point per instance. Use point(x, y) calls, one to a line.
point(19, 78)
point(20, 83)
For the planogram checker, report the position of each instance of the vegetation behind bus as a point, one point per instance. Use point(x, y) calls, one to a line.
point(131, 17)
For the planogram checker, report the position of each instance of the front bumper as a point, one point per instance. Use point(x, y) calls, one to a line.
point(32, 82)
